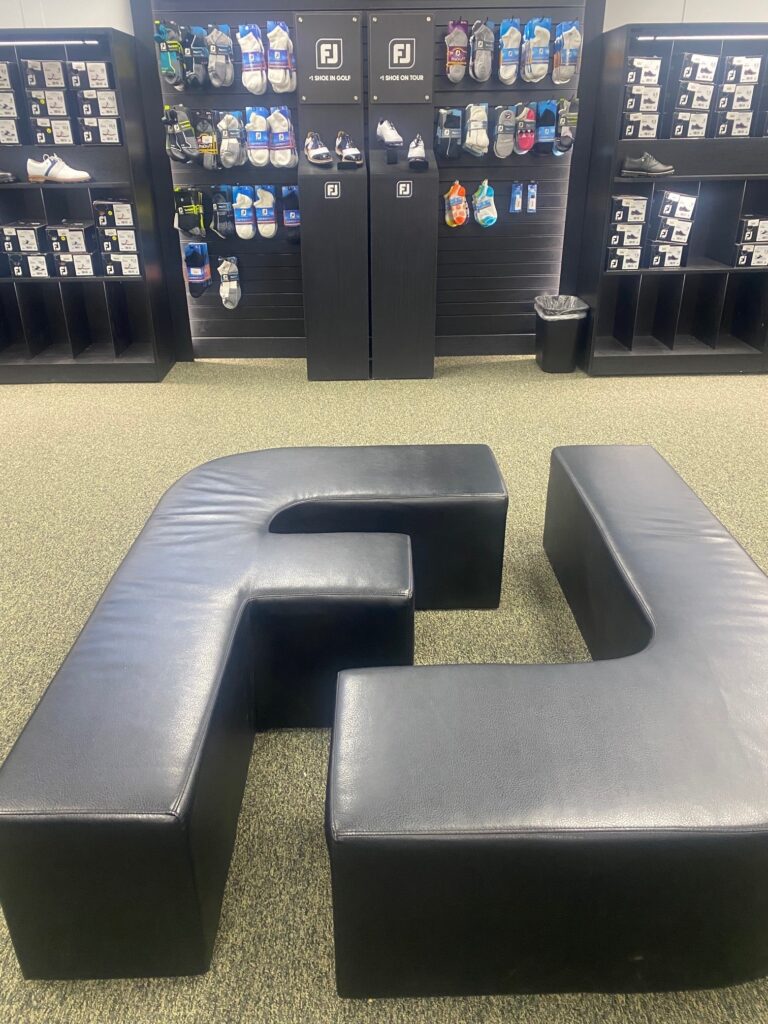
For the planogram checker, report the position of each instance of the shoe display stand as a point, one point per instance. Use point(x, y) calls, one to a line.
point(708, 316)
point(90, 328)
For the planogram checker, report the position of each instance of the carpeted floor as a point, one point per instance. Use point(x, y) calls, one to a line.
point(82, 466)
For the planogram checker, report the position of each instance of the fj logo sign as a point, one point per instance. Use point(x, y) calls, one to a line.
point(333, 189)
point(404, 189)
point(329, 54)
point(402, 54)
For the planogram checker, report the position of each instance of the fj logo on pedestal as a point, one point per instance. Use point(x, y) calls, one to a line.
point(332, 189)
point(402, 54)
point(404, 189)
point(329, 54)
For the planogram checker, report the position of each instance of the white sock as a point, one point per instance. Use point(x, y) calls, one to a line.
point(243, 211)
point(569, 43)
point(265, 212)
point(535, 70)
point(229, 289)
point(279, 72)
point(292, 66)
point(231, 144)
point(257, 144)
point(282, 145)
point(509, 41)
point(254, 63)
point(476, 136)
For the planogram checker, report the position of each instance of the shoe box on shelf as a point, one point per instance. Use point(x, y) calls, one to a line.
point(650, 231)
point(58, 103)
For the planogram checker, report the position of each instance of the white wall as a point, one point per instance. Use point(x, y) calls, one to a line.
point(66, 14)
point(626, 12)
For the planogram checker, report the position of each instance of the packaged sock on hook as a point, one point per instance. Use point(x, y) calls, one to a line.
point(537, 36)
point(566, 51)
point(509, 50)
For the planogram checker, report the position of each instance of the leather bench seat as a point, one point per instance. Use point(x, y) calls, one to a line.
point(255, 580)
point(599, 826)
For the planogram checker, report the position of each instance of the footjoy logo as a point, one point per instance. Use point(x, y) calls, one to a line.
point(402, 54)
point(328, 54)
point(332, 189)
point(404, 189)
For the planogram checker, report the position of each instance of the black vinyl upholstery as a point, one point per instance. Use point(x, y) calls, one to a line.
point(599, 826)
point(235, 608)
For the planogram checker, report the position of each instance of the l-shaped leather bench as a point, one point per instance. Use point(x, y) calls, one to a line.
point(597, 826)
point(236, 607)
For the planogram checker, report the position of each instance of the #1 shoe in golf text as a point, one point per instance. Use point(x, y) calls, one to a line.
point(645, 166)
point(417, 155)
point(53, 168)
point(317, 152)
point(388, 134)
point(348, 153)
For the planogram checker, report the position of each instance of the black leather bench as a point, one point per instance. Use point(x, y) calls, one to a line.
point(255, 580)
point(597, 826)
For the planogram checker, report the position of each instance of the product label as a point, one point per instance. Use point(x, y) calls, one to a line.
point(9, 133)
point(98, 75)
point(75, 240)
point(38, 266)
point(130, 266)
point(266, 214)
point(83, 265)
point(126, 241)
point(281, 140)
point(291, 218)
point(53, 74)
point(277, 58)
point(253, 60)
point(123, 214)
point(7, 104)
point(62, 133)
point(5, 75)
point(27, 239)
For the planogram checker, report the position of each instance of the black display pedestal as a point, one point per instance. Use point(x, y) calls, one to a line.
point(334, 254)
point(403, 266)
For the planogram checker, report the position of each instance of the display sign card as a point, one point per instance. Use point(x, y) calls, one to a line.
point(329, 58)
point(401, 57)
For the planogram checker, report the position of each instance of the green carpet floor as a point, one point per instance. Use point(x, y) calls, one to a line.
point(81, 468)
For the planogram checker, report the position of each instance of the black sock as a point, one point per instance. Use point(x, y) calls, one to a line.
point(186, 140)
point(207, 141)
point(189, 211)
point(222, 218)
point(546, 124)
point(197, 268)
point(449, 132)
point(171, 142)
point(291, 215)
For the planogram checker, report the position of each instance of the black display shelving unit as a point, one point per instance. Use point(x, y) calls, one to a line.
point(100, 328)
point(708, 316)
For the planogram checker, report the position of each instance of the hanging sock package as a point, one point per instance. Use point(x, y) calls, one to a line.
point(188, 211)
point(222, 217)
point(456, 50)
point(546, 125)
point(254, 60)
point(476, 139)
point(509, 50)
point(221, 70)
point(566, 52)
point(207, 142)
point(257, 135)
point(232, 151)
point(264, 204)
point(196, 56)
point(282, 141)
point(170, 55)
point(197, 268)
point(291, 212)
point(242, 208)
point(281, 64)
point(481, 50)
point(537, 36)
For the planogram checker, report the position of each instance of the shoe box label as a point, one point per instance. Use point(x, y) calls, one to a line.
point(23, 237)
point(89, 74)
point(689, 124)
point(624, 235)
point(753, 229)
point(675, 204)
point(69, 264)
point(743, 69)
point(101, 131)
point(642, 71)
point(629, 208)
point(113, 214)
point(694, 96)
point(8, 104)
point(673, 229)
point(734, 97)
point(23, 265)
point(97, 102)
point(47, 102)
point(9, 132)
point(733, 124)
point(118, 240)
point(127, 265)
point(642, 97)
point(72, 237)
point(663, 254)
point(52, 130)
point(750, 256)
point(623, 259)
point(699, 67)
point(5, 74)
point(640, 126)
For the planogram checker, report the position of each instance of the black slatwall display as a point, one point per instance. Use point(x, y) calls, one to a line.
point(487, 278)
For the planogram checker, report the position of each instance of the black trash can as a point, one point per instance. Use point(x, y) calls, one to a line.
point(560, 321)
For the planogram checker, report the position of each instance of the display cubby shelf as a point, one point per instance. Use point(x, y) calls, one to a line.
point(104, 327)
point(707, 316)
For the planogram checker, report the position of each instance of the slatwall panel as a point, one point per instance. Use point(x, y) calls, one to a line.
point(487, 278)
point(269, 321)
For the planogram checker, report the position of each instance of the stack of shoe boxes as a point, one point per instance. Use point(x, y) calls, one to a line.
point(642, 98)
point(751, 249)
point(736, 97)
point(672, 216)
point(625, 238)
point(58, 103)
point(75, 248)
